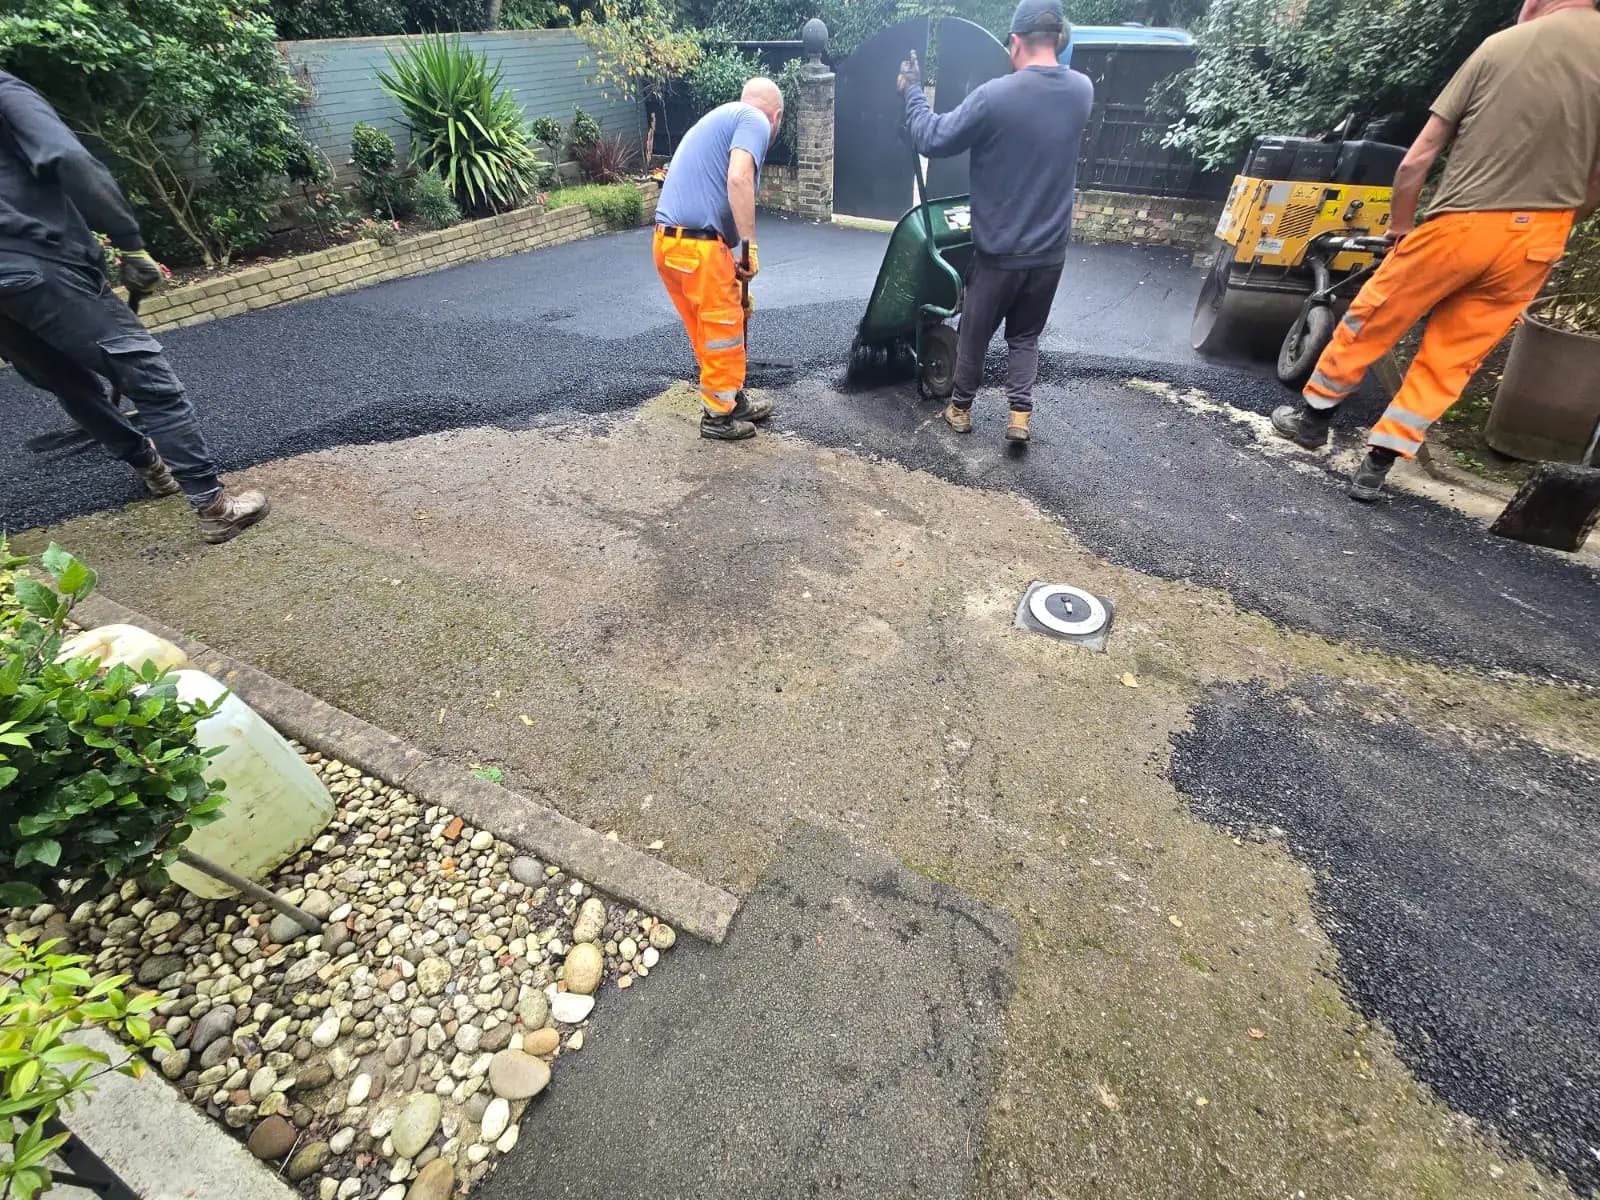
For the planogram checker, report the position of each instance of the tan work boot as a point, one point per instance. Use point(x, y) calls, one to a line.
point(228, 516)
point(959, 419)
point(158, 480)
point(1017, 426)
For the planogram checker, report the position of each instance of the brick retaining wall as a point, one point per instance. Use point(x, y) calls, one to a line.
point(364, 262)
point(1144, 220)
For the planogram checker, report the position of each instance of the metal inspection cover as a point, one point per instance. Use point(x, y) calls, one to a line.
point(1067, 613)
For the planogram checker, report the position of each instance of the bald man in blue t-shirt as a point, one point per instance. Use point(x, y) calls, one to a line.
point(705, 247)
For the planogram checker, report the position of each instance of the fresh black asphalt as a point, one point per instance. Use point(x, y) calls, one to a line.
point(840, 1043)
point(569, 335)
point(1456, 879)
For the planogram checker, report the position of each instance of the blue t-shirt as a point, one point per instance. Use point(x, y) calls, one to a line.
point(695, 195)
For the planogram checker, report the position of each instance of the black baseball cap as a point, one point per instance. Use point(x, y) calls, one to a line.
point(1038, 16)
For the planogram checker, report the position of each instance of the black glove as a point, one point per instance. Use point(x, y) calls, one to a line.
point(910, 73)
point(140, 273)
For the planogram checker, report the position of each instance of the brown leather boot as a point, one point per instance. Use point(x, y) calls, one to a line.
point(1017, 426)
point(228, 516)
point(158, 480)
point(959, 419)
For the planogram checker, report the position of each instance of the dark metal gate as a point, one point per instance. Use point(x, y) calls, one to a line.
point(969, 55)
point(1122, 149)
point(872, 170)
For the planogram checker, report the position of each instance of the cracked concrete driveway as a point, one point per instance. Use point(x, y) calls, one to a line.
point(491, 504)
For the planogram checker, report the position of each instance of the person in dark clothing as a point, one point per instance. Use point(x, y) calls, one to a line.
point(1023, 131)
point(68, 333)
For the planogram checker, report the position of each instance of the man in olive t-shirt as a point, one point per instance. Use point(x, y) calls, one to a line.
point(1522, 119)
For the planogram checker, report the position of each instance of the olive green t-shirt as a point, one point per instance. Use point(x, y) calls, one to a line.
point(1526, 107)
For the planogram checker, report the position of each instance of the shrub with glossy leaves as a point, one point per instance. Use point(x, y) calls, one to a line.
point(100, 775)
point(45, 995)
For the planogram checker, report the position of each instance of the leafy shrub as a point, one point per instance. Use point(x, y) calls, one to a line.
point(1311, 64)
point(43, 997)
point(433, 206)
point(546, 176)
point(385, 186)
point(607, 161)
point(584, 131)
point(190, 98)
point(376, 229)
point(465, 124)
point(101, 774)
point(337, 18)
point(719, 77)
point(534, 14)
point(618, 205)
point(547, 132)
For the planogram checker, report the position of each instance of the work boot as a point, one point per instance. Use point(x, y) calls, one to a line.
point(1017, 426)
point(158, 480)
point(228, 516)
point(1366, 485)
point(725, 429)
point(1302, 424)
point(959, 419)
point(746, 409)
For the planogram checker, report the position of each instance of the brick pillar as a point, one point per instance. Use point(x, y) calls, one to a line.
point(814, 144)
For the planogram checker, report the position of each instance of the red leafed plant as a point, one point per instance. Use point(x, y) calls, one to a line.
point(607, 161)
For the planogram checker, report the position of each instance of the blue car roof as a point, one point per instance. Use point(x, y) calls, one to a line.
point(1124, 35)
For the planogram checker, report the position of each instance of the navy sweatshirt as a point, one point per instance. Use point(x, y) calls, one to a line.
point(51, 188)
point(1023, 131)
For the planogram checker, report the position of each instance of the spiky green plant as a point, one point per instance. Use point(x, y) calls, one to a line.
point(465, 124)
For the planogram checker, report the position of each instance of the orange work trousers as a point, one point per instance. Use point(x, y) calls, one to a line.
point(699, 274)
point(1475, 272)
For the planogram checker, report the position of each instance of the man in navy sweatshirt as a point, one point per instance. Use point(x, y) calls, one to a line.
point(67, 332)
point(1023, 132)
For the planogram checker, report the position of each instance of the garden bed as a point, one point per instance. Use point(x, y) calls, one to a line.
point(364, 261)
point(394, 1054)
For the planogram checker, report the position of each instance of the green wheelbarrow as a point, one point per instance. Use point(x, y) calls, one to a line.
point(917, 291)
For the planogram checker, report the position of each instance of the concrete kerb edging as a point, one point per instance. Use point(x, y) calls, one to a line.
point(161, 1146)
point(687, 903)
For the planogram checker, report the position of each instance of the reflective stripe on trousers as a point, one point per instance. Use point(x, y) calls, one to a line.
point(1475, 273)
point(699, 278)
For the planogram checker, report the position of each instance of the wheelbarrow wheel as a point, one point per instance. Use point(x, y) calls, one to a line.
point(860, 362)
point(1307, 338)
point(936, 376)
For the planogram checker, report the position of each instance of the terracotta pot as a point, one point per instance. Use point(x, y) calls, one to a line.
point(1548, 405)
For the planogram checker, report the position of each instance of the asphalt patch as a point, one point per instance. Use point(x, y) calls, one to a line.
point(839, 1043)
point(1455, 874)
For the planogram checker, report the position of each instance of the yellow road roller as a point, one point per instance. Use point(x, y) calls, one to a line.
point(1304, 225)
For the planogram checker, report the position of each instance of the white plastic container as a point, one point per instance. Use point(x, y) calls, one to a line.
point(276, 803)
point(117, 644)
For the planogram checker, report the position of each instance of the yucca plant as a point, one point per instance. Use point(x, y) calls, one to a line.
point(465, 124)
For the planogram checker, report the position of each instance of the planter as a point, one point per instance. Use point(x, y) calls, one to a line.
point(1548, 405)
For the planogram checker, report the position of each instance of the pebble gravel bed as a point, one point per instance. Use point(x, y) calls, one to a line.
point(391, 1056)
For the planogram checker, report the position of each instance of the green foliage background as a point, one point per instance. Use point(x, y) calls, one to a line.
point(1269, 66)
point(189, 98)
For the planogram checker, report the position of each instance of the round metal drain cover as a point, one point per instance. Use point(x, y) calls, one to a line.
point(1069, 611)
